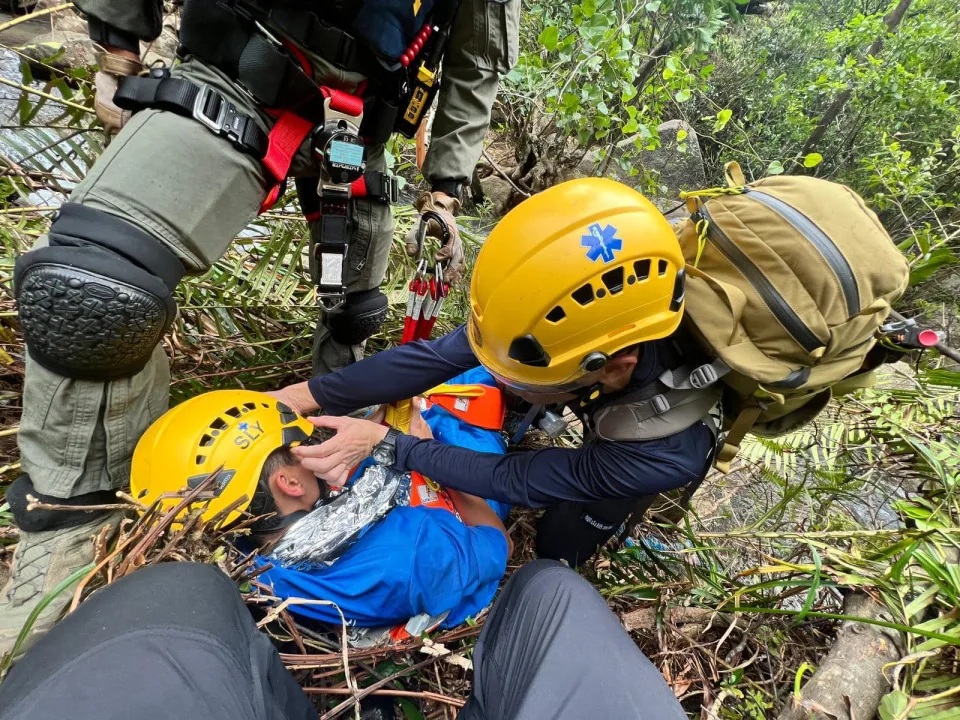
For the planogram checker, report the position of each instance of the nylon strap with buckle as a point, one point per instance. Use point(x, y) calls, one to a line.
point(199, 102)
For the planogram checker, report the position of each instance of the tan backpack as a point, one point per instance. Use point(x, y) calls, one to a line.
point(788, 281)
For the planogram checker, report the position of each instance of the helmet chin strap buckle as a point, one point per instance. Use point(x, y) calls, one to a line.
point(590, 394)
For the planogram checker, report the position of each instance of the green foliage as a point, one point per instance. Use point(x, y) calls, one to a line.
point(897, 138)
point(603, 70)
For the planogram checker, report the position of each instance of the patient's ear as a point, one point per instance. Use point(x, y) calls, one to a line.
point(287, 482)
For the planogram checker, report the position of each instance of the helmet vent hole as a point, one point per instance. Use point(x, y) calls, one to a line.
point(233, 412)
point(662, 268)
point(613, 280)
point(250, 406)
point(219, 424)
point(642, 269)
point(556, 315)
point(201, 459)
point(206, 441)
point(583, 295)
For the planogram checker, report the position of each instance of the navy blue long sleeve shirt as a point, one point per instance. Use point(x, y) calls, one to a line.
point(535, 478)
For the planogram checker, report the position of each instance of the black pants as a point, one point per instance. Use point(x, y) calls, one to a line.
point(175, 641)
point(574, 532)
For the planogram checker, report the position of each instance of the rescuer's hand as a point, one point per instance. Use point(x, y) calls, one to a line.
point(113, 64)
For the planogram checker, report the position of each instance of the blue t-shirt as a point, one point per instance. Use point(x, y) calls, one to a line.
point(415, 560)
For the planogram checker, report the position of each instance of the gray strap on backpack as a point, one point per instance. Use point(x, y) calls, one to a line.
point(678, 399)
point(690, 377)
point(667, 413)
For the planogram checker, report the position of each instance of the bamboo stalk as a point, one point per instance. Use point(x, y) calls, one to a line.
point(48, 96)
point(34, 15)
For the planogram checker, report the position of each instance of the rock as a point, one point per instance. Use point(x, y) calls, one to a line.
point(674, 169)
point(65, 20)
point(61, 50)
point(498, 192)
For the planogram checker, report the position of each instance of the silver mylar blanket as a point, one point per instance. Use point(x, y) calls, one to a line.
point(326, 532)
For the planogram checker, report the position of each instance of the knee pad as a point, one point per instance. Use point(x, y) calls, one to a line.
point(360, 316)
point(97, 300)
point(39, 520)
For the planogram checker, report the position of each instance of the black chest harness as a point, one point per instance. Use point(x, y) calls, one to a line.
point(235, 37)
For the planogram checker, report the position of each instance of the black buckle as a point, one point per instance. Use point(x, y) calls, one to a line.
point(382, 187)
point(222, 118)
point(393, 189)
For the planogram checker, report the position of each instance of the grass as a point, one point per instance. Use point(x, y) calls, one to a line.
point(734, 616)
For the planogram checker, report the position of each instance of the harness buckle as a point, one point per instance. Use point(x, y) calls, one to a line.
point(393, 189)
point(213, 121)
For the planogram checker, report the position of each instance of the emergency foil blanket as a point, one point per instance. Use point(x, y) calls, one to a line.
point(326, 532)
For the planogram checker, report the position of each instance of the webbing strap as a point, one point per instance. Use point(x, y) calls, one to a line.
point(343, 101)
point(374, 185)
point(199, 102)
point(731, 443)
point(688, 377)
point(287, 135)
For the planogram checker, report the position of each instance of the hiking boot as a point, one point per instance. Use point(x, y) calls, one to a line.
point(42, 561)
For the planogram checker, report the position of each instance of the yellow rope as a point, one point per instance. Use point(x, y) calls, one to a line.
point(701, 240)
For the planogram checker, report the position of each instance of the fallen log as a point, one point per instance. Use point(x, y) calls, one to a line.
point(850, 682)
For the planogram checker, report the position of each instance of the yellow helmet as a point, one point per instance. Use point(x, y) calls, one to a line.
point(568, 278)
point(234, 430)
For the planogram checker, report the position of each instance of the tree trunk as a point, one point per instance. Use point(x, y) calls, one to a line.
point(650, 64)
point(849, 682)
point(892, 21)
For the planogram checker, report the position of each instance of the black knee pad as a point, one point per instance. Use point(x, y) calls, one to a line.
point(360, 316)
point(38, 520)
point(95, 303)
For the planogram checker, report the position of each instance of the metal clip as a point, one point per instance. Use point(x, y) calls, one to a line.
point(214, 123)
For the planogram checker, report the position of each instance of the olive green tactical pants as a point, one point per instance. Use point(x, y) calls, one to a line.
point(176, 180)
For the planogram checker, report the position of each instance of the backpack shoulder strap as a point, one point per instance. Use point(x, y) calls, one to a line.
point(656, 411)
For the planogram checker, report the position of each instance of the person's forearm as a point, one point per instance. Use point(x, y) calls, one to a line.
point(475, 511)
point(536, 478)
point(142, 19)
point(396, 374)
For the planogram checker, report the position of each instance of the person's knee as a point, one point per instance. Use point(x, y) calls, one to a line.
point(360, 316)
point(549, 579)
point(97, 300)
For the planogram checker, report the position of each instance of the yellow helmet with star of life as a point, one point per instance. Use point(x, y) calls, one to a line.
point(227, 432)
point(569, 277)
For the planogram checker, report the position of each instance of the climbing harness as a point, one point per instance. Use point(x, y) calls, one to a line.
point(279, 76)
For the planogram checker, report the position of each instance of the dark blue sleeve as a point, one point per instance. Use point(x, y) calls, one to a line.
point(544, 477)
point(395, 374)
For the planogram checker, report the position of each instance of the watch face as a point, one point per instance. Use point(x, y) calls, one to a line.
point(383, 456)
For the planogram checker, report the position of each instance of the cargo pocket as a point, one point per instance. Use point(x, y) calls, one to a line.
point(495, 41)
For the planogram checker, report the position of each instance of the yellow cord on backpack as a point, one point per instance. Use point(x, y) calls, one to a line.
point(701, 227)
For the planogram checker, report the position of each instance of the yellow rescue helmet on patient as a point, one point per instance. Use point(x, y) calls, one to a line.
point(230, 432)
point(568, 278)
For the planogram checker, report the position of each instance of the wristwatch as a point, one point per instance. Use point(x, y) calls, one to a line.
point(385, 451)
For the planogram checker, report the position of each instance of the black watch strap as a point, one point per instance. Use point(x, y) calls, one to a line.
point(388, 444)
point(104, 34)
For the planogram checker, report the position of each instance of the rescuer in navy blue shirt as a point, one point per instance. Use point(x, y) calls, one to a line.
point(574, 299)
